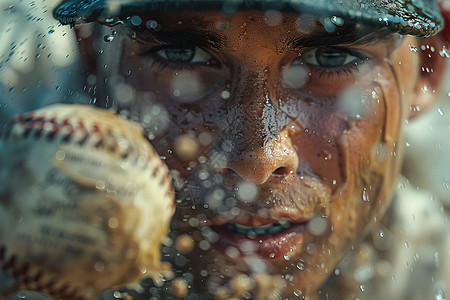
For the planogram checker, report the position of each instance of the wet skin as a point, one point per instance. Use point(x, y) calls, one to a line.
point(298, 138)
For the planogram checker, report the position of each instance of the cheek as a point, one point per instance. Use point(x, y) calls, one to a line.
point(370, 162)
point(184, 84)
point(319, 123)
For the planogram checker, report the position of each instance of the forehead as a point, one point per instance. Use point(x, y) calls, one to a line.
point(211, 19)
point(285, 31)
point(266, 22)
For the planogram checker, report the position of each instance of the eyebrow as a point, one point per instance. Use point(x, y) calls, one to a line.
point(188, 36)
point(346, 36)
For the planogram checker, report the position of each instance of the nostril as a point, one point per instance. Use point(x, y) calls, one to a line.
point(281, 171)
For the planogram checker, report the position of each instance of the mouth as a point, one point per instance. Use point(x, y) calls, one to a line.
point(269, 241)
point(257, 230)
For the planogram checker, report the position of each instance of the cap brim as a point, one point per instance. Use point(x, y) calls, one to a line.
point(419, 17)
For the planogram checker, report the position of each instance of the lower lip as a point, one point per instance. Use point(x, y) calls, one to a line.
point(266, 246)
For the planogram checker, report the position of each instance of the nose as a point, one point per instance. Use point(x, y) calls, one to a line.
point(261, 148)
point(272, 161)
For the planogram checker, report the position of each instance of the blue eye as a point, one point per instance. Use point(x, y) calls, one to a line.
point(183, 54)
point(332, 57)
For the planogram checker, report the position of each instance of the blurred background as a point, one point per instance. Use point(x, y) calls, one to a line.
point(37, 57)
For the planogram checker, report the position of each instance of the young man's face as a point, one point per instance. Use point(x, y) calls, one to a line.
point(283, 135)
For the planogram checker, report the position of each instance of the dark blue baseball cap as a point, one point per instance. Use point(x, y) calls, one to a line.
point(415, 17)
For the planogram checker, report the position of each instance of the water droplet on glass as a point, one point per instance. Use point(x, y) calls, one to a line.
point(152, 24)
point(337, 21)
point(444, 52)
point(247, 192)
point(413, 49)
point(60, 155)
point(365, 195)
point(317, 225)
point(225, 95)
point(108, 38)
point(204, 245)
point(135, 21)
point(362, 288)
point(439, 295)
point(286, 257)
point(22, 295)
point(440, 111)
point(99, 266)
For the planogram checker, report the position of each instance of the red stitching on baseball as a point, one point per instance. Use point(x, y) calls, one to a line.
point(40, 125)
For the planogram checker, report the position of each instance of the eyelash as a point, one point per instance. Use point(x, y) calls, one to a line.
point(336, 72)
point(325, 73)
point(161, 65)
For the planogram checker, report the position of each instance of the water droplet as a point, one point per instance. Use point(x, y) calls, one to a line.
point(247, 192)
point(152, 24)
point(317, 225)
point(439, 295)
point(108, 38)
point(135, 21)
point(440, 111)
point(406, 245)
point(117, 294)
point(113, 223)
point(337, 21)
point(286, 257)
point(11, 90)
point(10, 9)
point(204, 245)
point(22, 295)
point(99, 266)
point(225, 95)
point(444, 52)
point(365, 195)
point(413, 49)
point(300, 266)
point(362, 288)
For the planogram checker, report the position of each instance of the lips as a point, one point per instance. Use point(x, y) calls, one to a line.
point(270, 241)
point(257, 230)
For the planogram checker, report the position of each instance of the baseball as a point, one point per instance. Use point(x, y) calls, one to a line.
point(85, 202)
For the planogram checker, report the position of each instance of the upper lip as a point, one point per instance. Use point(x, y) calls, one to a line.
point(261, 218)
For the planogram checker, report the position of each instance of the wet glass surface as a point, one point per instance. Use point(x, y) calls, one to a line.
point(306, 157)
